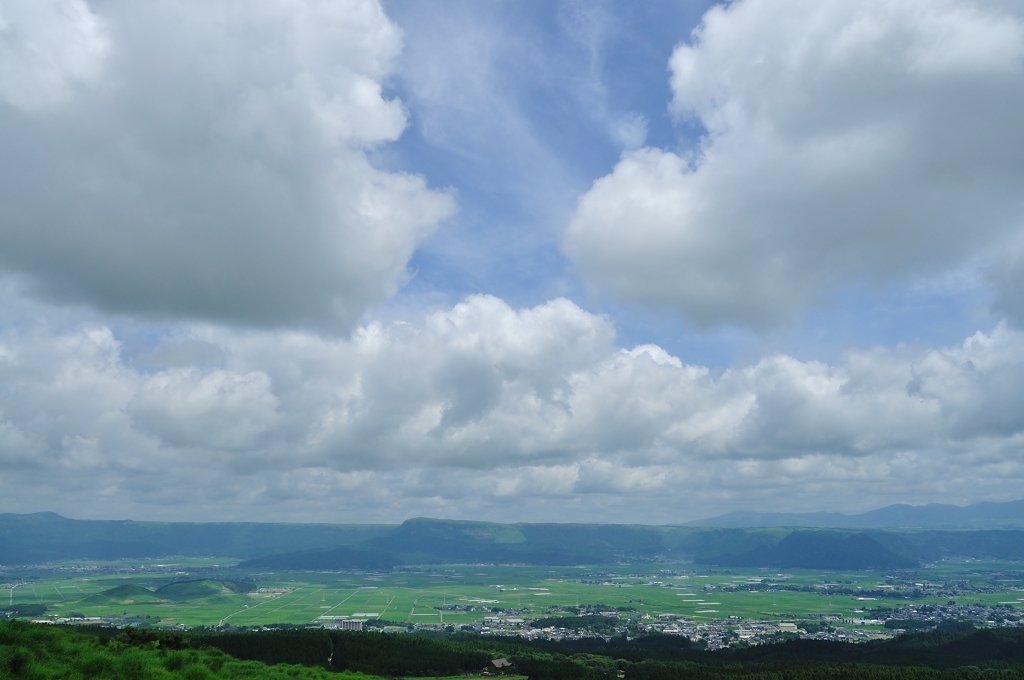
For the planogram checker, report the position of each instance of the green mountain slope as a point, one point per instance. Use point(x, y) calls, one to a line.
point(46, 536)
point(29, 538)
point(822, 549)
point(427, 541)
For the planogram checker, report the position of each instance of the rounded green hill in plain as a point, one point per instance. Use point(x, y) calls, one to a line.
point(192, 590)
point(128, 593)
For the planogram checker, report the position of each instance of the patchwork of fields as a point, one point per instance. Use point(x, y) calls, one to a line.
point(199, 592)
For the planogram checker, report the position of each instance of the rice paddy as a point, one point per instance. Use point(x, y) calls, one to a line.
point(211, 593)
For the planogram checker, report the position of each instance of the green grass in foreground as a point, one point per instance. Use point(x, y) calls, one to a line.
point(475, 676)
point(37, 652)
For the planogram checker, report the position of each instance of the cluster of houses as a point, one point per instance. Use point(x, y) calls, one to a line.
point(715, 634)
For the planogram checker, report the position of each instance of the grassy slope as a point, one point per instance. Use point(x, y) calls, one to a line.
point(44, 652)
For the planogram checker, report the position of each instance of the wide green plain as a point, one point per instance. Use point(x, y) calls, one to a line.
point(426, 595)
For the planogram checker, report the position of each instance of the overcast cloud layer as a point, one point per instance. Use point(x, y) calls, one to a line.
point(846, 143)
point(210, 210)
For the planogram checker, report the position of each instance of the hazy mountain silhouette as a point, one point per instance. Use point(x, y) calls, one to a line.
point(1008, 515)
point(893, 537)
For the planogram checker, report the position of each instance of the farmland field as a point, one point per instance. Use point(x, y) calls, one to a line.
point(208, 592)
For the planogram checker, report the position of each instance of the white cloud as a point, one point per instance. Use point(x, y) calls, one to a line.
point(483, 405)
point(206, 160)
point(845, 143)
point(216, 410)
point(47, 48)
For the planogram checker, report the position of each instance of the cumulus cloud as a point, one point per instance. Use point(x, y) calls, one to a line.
point(844, 143)
point(206, 160)
point(216, 410)
point(483, 405)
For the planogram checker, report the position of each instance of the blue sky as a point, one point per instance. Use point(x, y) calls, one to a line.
point(529, 132)
point(567, 72)
point(597, 261)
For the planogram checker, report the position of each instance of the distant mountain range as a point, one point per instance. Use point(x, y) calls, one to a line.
point(47, 537)
point(899, 536)
point(1009, 515)
point(429, 541)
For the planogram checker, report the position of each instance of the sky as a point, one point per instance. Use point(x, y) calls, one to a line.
point(547, 261)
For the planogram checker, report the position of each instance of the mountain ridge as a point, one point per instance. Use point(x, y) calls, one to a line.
point(983, 515)
point(48, 536)
point(425, 541)
point(872, 541)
